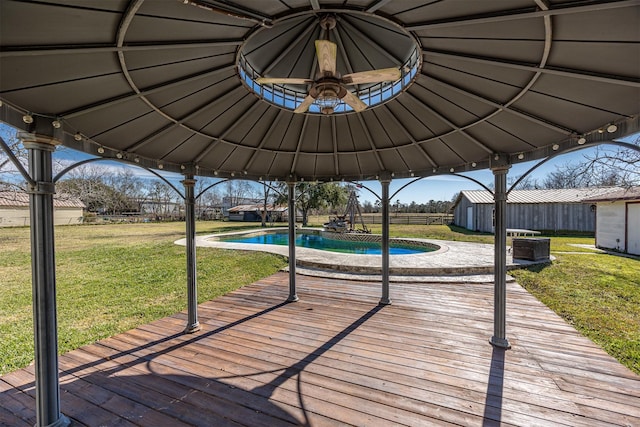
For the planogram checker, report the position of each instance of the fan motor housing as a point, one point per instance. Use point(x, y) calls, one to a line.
point(325, 86)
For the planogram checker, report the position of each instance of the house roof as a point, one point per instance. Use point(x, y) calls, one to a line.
point(20, 199)
point(569, 195)
point(251, 208)
point(173, 85)
point(632, 193)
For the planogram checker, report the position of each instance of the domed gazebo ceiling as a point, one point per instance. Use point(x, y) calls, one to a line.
point(179, 84)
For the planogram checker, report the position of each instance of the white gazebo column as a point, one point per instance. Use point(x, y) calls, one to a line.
point(499, 338)
point(193, 325)
point(291, 186)
point(43, 277)
point(384, 201)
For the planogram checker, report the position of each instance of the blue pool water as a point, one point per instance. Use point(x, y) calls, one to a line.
point(314, 241)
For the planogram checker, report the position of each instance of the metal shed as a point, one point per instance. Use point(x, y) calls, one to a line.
point(14, 209)
point(549, 210)
point(618, 220)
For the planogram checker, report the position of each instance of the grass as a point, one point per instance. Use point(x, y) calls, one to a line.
point(598, 294)
point(112, 278)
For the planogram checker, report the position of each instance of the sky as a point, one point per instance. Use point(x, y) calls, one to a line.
point(440, 187)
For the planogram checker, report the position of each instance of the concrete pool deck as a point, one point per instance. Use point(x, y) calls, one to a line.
point(454, 261)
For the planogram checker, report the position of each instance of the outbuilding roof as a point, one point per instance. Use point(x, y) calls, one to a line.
point(568, 195)
point(251, 208)
point(632, 193)
point(18, 199)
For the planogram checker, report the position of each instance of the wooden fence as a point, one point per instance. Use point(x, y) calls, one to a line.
point(415, 219)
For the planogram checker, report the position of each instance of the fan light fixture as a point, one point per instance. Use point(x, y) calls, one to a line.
point(327, 101)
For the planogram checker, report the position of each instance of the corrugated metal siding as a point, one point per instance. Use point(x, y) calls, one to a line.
point(533, 216)
point(460, 213)
point(484, 218)
point(532, 209)
point(551, 216)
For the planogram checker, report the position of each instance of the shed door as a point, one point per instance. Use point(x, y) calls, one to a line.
point(633, 228)
point(470, 218)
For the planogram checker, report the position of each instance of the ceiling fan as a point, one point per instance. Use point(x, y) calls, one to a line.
point(329, 87)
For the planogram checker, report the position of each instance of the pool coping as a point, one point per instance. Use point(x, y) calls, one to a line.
point(452, 259)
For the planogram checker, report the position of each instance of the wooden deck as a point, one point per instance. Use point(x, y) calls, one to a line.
point(337, 358)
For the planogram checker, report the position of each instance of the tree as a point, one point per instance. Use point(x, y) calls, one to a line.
point(586, 174)
point(209, 201)
point(236, 190)
point(101, 190)
point(8, 171)
point(267, 195)
point(163, 199)
point(603, 167)
point(528, 183)
point(129, 186)
point(9, 178)
point(314, 196)
point(86, 183)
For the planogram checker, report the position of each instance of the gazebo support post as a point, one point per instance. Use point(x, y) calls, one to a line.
point(291, 186)
point(499, 338)
point(45, 322)
point(384, 299)
point(193, 325)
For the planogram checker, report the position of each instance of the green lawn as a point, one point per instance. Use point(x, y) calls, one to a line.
point(112, 278)
point(598, 294)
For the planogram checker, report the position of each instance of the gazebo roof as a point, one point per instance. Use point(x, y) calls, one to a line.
point(172, 84)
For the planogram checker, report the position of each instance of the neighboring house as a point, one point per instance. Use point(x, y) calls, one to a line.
point(230, 202)
point(14, 209)
point(254, 213)
point(618, 220)
point(553, 210)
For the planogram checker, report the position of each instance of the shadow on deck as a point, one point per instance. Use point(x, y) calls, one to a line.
point(337, 358)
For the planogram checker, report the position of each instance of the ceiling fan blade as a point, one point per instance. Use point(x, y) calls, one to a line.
point(302, 108)
point(282, 81)
point(373, 76)
point(326, 52)
point(354, 102)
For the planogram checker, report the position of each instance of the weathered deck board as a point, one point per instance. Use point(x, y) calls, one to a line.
point(336, 357)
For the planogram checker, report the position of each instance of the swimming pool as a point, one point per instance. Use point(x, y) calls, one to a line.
point(316, 241)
